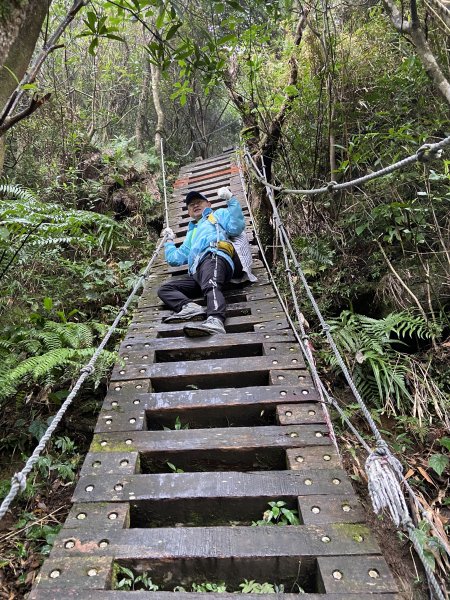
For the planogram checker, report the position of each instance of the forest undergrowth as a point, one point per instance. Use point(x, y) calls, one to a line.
point(320, 93)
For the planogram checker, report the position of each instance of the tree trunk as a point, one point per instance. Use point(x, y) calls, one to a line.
point(430, 63)
point(142, 109)
point(411, 28)
point(20, 24)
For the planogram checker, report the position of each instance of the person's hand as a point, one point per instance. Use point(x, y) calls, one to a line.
point(168, 232)
point(224, 193)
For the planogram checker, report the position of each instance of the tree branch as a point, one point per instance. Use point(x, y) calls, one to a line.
point(271, 138)
point(417, 36)
point(49, 47)
point(396, 17)
point(31, 108)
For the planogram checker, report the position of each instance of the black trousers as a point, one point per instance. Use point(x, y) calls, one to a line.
point(211, 275)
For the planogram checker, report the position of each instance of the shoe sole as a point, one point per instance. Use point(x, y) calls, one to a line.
point(199, 317)
point(196, 332)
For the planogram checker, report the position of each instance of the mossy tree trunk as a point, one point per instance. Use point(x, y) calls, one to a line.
point(20, 24)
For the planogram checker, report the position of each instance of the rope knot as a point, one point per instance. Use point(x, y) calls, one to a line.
point(89, 369)
point(331, 185)
point(381, 448)
point(20, 479)
point(383, 472)
point(428, 152)
point(124, 311)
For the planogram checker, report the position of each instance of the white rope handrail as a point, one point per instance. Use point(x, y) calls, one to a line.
point(18, 481)
point(423, 154)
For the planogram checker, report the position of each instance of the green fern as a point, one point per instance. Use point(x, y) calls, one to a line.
point(16, 191)
point(49, 353)
point(381, 373)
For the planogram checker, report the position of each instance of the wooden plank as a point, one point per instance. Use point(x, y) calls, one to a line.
point(287, 377)
point(90, 572)
point(203, 406)
point(248, 323)
point(358, 574)
point(264, 485)
point(250, 292)
point(331, 509)
point(256, 307)
point(122, 463)
point(301, 542)
point(290, 414)
point(141, 346)
point(237, 407)
point(119, 388)
point(188, 369)
point(224, 397)
point(304, 459)
point(98, 515)
point(239, 438)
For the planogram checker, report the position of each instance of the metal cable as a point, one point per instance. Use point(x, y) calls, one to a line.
point(423, 154)
point(18, 481)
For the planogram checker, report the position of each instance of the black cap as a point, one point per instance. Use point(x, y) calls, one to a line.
point(192, 195)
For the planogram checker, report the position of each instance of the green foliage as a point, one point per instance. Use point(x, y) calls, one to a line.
point(432, 547)
point(278, 514)
point(121, 153)
point(253, 587)
point(28, 225)
point(173, 468)
point(128, 580)
point(45, 351)
point(178, 425)
point(316, 254)
point(439, 463)
point(61, 460)
point(369, 349)
point(215, 588)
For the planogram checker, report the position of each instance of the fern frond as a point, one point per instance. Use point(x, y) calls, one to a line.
point(16, 190)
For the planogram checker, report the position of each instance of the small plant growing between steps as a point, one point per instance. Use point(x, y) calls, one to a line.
point(173, 468)
point(253, 587)
point(177, 426)
point(129, 581)
point(278, 514)
point(217, 588)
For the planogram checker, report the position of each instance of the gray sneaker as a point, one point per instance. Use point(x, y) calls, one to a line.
point(211, 326)
point(191, 310)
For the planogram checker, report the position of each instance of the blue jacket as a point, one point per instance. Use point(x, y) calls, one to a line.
point(202, 233)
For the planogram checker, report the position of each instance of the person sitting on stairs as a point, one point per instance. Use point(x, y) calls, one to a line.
point(212, 262)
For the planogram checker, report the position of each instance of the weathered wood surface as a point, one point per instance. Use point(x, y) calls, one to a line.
point(303, 541)
point(224, 486)
point(238, 419)
point(239, 438)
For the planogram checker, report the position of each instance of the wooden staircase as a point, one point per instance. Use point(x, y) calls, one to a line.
point(257, 433)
